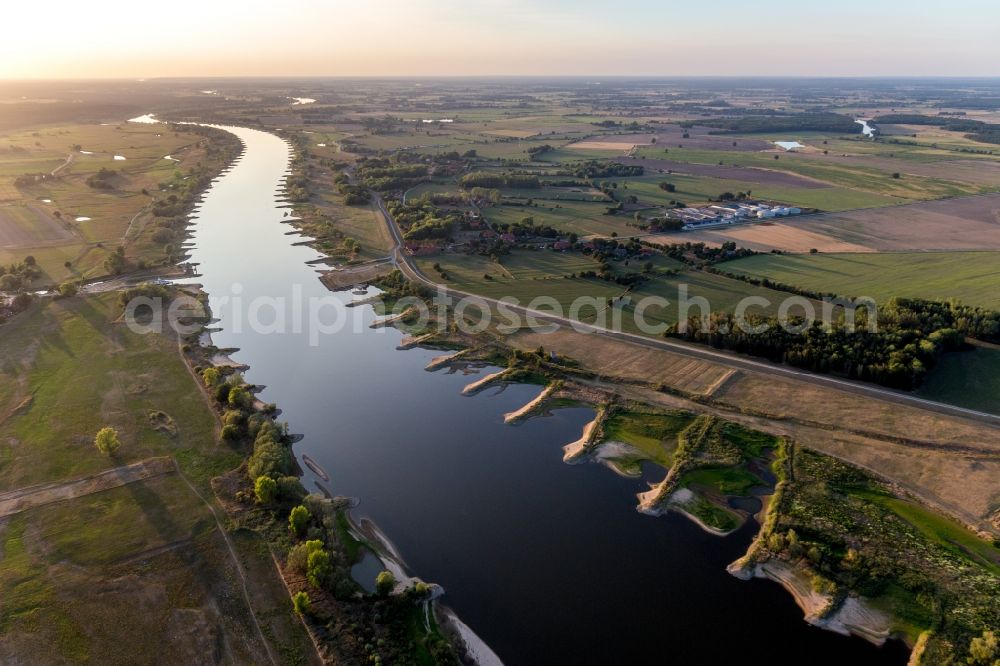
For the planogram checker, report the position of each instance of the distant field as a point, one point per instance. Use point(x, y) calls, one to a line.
point(29, 223)
point(850, 175)
point(967, 223)
point(971, 277)
point(699, 189)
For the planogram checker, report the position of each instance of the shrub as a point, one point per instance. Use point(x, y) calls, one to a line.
point(239, 397)
point(300, 602)
point(298, 519)
point(384, 582)
point(265, 488)
point(107, 441)
point(298, 556)
point(211, 377)
point(230, 433)
point(290, 488)
point(318, 567)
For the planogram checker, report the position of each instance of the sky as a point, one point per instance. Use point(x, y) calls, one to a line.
point(129, 39)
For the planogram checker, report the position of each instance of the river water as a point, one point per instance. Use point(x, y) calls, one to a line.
point(548, 563)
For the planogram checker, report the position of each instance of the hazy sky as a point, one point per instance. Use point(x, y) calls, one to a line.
point(115, 38)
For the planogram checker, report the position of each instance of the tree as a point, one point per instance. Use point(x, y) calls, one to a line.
point(298, 519)
point(239, 397)
point(384, 582)
point(318, 568)
point(300, 602)
point(211, 376)
point(984, 649)
point(107, 441)
point(67, 289)
point(298, 556)
point(266, 489)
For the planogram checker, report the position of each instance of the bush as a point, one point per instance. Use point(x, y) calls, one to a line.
point(107, 441)
point(318, 568)
point(211, 377)
point(230, 433)
point(290, 488)
point(298, 556)
point(298, 519)
point(266, 489)
point(384, 582)
point(239, 398)
point(300, 602)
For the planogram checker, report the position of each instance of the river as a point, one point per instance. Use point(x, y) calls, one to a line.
point(548, 563)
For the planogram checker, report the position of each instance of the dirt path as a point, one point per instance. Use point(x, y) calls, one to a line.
point(65, 165)
point(236, 563)
point(22, 499)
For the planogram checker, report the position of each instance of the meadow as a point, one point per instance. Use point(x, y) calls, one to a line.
point(118, 574)
point(40, 218)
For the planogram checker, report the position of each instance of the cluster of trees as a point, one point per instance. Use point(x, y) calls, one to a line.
point(814, 122)
point(534, 151)
point(704, 255)
point(26, 179)
point(906, 344)
point(489, 180)
point(597, 169)
point(972, 321)
point(116, 263)
point(16, 277)
point(527, 226)
point(421, 220)
point(384, 175)
point(354, 195)
point(102, 180)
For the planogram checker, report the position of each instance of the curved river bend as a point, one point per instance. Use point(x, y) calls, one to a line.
point(548, 563)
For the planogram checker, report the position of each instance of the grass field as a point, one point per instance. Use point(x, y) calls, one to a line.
point(699, 189)
point(117, 575)
point(525, 275)
point(723, 295)
point(970, 277)
point(967, 379)
point(654, 434)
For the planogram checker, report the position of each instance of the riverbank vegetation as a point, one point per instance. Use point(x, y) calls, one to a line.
point(312, 539)
point(852, 533)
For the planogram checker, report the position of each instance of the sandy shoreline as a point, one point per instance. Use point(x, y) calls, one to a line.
point(530, 407)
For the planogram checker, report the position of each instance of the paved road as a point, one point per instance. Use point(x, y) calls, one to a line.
point(405, 263)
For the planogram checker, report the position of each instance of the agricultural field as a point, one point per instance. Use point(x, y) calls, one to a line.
point(967, 223)
point(850, 175)
point(127, 562)
point(969, 277)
